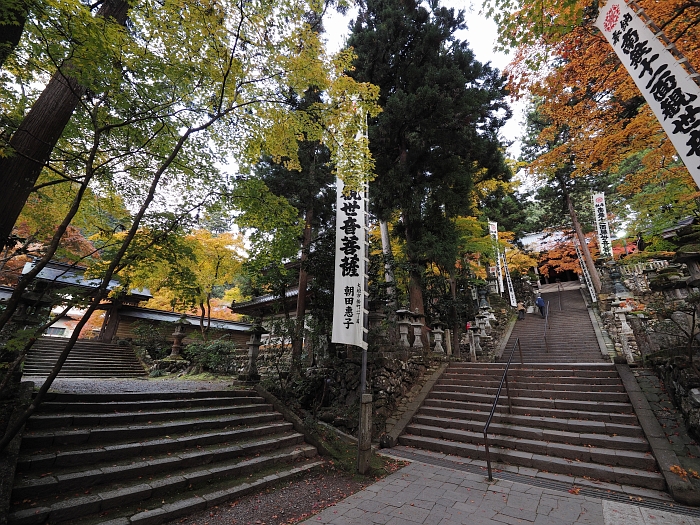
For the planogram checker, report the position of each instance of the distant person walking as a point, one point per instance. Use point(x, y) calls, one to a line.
point(521, 310)
point(540, 305)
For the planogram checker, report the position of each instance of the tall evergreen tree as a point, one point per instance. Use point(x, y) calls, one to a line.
point(312, 193)
point(437, 135)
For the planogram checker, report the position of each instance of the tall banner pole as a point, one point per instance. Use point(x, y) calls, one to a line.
point(350, 315)
point(493, 231)
point(601, 221)
point(509, 281)
point(586, 275)
point(668, 83)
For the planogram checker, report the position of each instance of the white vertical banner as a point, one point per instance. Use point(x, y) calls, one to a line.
point(493, 231)
point(586, 275)
point(349, 294)
point(509, 281)
point(668, 88)
point(601, 221)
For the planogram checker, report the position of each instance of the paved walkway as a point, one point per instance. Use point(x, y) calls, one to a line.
point(428, 494)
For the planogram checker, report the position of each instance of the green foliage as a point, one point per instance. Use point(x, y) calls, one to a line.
point(149, 337)
point(218, 356)
point(438, 134)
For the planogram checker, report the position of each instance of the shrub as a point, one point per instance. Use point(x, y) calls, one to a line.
point(216, 356)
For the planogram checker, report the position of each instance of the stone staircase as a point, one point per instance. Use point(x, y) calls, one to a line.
point(571, 337)
point(142, 458)
point(87, 359)
point(570, 411)
point(572, 419)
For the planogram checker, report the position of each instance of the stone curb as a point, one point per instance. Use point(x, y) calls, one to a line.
point(8, 459)
point(596, 328)
point(681, 490)
point(505, 338)
point(392, 438)
point(294, 420)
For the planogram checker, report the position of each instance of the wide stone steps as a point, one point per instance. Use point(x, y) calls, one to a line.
point(567, 419)
point(577, 426)
point(87, 359)
point(89, 466)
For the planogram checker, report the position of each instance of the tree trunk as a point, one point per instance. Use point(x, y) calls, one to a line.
point(12, 30)
point(298, 336)
point(454, 314)
point(584, 247)
point(38, 133)
point(388, 270)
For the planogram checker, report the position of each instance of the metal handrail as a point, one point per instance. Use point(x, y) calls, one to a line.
point(559, 288)
point(546, 322)
point(504, 379)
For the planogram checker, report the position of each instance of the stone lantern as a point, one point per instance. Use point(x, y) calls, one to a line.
point(483, 301)
point(437, 337)
point(256, 332)
point(178, 335)
point(417, 326)
point(404, 318)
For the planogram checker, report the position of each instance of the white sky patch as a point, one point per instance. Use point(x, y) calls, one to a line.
point(481, 35)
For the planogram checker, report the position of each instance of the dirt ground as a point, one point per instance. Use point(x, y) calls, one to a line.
point(289, 502)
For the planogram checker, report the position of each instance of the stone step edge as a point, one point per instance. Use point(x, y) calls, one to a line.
point(59, 409)
point(534, 394)
point(539, 402)
point(63, 511)
point(84, 479)
point(27, 463)
point(639, 443)
point(583, 415)
point(64, 397)
point(606, 456)
point(620, 429)
point(623, 475)
point(107, 434)
point(76, 420)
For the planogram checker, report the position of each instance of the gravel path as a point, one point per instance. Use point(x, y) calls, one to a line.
point(113, 386)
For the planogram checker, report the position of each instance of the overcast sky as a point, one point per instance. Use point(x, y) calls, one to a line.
point(481, 36)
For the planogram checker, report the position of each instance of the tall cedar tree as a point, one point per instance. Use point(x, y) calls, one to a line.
point(437, 135)
point(310, 191)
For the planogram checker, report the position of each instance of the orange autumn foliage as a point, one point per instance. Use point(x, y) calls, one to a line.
point(594, 111)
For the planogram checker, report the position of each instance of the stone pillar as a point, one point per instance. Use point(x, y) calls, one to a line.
point(178, 336)
point(251, 373)
point(364, 434)
point(404, 323)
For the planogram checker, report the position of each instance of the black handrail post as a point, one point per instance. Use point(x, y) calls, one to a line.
point(559, 287)
point(520, 349)
point(504, 378)
point(488, 456)
point(510, 406)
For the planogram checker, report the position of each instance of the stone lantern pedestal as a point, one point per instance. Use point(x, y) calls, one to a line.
point(251, 374)
point(178, 335)
point(438, 333)
point(404, 321)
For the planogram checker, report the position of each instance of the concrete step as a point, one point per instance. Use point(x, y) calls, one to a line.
point(557, 391)
point(558, 465)
point(85, 459)
point(199, 410)
point(149, 447)
point(606, 456)
point(574, 383)
point(530, 411)
point(104, 435)
point(78, 476)
point(537, 402)
point(157, 499)
point(618, 430)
